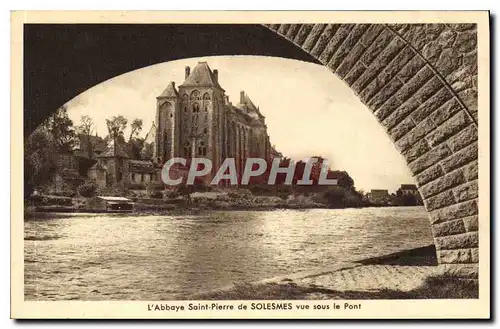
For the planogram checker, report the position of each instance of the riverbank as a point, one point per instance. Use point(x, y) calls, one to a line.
point(409, 274)
point(43, 206)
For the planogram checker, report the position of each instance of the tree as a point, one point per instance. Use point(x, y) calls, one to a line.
point(86, 127)
point(60, 126)
point(39, 161)
point(116, 125)
point(135, 128)
point(136, 147)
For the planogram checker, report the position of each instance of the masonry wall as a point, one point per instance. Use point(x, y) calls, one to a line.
point(420, 81)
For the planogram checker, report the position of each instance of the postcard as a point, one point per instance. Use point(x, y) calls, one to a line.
point(250, 165)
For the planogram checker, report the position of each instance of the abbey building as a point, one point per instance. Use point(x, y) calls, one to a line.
point(199, 120)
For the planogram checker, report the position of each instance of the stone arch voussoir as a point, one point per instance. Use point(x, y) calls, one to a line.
point(420, 81)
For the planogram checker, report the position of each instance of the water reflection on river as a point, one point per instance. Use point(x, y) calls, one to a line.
point(92, 257)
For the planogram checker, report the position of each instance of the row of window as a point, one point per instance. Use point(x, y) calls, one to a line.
point(195, 95)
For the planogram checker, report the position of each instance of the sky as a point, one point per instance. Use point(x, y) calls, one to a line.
point(309, 111)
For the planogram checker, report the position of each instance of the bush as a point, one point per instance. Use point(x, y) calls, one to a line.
point(87, 189)
point(171, 194)
point(155, 190)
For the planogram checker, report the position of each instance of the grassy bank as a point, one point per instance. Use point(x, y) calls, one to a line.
point(441, 287)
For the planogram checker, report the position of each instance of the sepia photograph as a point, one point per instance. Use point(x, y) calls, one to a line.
point(251, 166)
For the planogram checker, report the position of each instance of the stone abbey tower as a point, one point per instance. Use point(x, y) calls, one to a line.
point(198, 120)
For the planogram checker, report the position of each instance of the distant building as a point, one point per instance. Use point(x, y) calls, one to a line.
point(378, 196)
point(410, 190)
point(407, 189)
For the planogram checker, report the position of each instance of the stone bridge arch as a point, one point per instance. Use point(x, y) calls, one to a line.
point(419, 80)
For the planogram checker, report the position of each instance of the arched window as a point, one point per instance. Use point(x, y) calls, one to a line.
point(195, 95)
point(206, 96)
point(185, 98)
point(166, 106)
point(205, 131)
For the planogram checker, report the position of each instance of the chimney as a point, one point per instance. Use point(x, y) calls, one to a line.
point(226, 100)
point(242, 97)
point(187, 71)
point(216, 75)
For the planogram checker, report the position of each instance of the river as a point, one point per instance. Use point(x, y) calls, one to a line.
point(124, 257)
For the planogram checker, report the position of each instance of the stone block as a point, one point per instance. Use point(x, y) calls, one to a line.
point(324, 38)
point(402, 129)
point(313, 36)
point(446, 111)
point(416, 36)
point(292, 31)
point(429, 175)
point(455, 211)
point(385, 93)
point(388, 73)
point(335, 42)
point(466, 191)
point(301, 36)
point(447, 38)
point(383, 39)
point(349, 61)
point(470, 170)
point(414, 84)
point(474, 255)
point(450, 180)
point(400, 113)
point(471, 223)
point(458, 241)
point(449, 228)
point(469, 98)
point(410, 69)
point(448, 128)
point(431, 104)
point(371, 34)
point(440, 201)
point(462, 27)
point(416, 150)
point(283, 29)
point(430, 158)
point(348, 47)
point(455, 256)
point(449, 60)
point(460, 158)
point(356, 71)
point(379, 63)
point(422, 129)
point(385, 110)
point(462, 139)
point(400, 63)
point(431, 52)
point(428, 89)
point(460, 271)
point(466, 41)
point(274, 27)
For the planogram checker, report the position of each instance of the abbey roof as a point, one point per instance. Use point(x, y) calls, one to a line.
point(201, 76)
point(170, 91)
